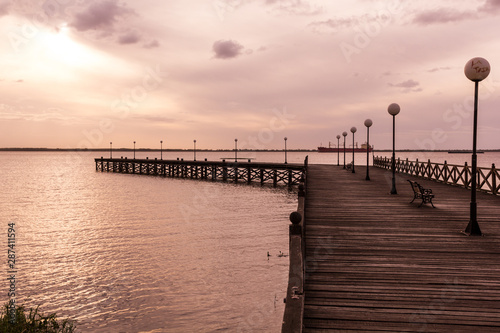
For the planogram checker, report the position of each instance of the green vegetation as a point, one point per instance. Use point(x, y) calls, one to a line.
point(32, 322)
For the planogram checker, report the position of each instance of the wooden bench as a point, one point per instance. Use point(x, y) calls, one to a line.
point(421, 193)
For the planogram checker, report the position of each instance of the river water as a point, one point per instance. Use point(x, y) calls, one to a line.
point(130, 253)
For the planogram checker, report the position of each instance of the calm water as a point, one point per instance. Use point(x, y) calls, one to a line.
point(127, 253)
point(124, 253)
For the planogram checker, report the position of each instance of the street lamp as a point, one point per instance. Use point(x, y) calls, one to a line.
point(111, 150)
point(338, 149)
point(236, 150)
point(134, 150)
point(285, 149)
point(344, 134)
point(194, 150)
point(476, 69)
point(353, 130)
point(393, 110)
point(368, 123)
point(161, 149)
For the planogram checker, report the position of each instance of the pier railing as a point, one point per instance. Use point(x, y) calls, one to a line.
point(249, 172)
point(294, 309)
point(488, 179)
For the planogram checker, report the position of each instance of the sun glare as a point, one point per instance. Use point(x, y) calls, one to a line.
point(60, 48)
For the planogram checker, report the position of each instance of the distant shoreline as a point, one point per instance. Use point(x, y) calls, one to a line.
point(456, 151)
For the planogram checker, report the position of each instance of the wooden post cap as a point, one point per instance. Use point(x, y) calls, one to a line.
point(295, 217)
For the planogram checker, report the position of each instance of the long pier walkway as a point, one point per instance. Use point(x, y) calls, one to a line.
point(375, 262)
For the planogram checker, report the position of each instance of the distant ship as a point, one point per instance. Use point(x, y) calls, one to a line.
point(330, 149)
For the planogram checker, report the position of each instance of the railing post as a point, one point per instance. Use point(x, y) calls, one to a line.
point(445, 166)
point(493, 179)
point(249, 175)
point(466, 172)
point(417, 167)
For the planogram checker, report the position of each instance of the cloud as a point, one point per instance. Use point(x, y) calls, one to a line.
point(294, 7)
point(335, 25)
point(405, 84)
point(152, 44)
point(155, 118)
point(4, 8)
point(490, 6)
point(442, 15)
point(226, 49)
point(436, 69)
point(129, 38)
point(332, 25)
point(99, 15)
point(51, 114)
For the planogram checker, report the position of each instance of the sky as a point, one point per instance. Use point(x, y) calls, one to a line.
point(81, 74)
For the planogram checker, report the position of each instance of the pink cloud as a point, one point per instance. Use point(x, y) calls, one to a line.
point(490, 6)
point(129, 38)
point(442, 15)
point(226, 49)
point(99, 15)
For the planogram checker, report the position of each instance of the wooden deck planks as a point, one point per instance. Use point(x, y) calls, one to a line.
point(375, 262)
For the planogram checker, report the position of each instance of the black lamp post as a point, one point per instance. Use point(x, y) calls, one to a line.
point(111, 150)
point(344, 134)
point(194, 150)
point(161, 149)
point(285, 149)
point(353, 130)
point(338, 149)
point(368, 123)
point(393, 110)
point(134, 150)
point(236, 150)
point(476, 69)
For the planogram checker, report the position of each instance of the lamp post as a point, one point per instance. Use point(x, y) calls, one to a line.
point(476, 69)
point(134, 150)
point(368, 123)
point(338, 149)
point(285, 149)
point(161, 149)
point(111, 150)
point(194, 149)
point(393, 110)
point(353, 130)
point(344, 134)
point(236, 150)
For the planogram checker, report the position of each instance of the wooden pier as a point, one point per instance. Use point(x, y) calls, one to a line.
point(376, 262)
point(237, 172)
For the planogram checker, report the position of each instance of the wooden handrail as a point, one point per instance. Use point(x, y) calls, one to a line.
point(452, 174)
point(293, 315)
